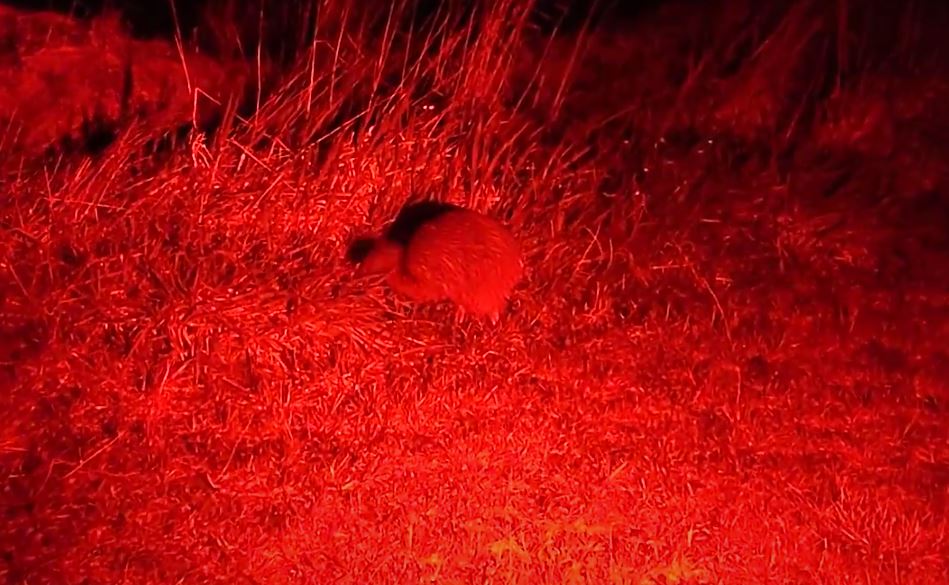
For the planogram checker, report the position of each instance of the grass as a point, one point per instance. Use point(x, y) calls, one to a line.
point(725, 365)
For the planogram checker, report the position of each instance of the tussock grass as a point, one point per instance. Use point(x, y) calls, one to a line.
point(724, 365)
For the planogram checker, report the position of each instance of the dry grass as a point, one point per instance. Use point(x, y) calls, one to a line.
point(725, 366)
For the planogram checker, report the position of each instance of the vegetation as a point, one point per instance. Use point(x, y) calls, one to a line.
point(726, 364)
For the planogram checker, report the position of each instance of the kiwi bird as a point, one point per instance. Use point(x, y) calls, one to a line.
point(460, 255)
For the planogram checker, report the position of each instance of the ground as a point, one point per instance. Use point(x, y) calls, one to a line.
point(726, 363)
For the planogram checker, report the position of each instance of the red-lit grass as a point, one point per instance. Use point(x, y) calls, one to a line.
point(722, 368)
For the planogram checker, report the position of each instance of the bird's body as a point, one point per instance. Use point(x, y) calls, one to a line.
point(460, 255)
